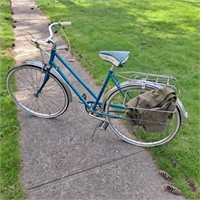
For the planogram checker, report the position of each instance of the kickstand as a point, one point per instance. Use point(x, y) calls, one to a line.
point(102, 125)
point(92, 136)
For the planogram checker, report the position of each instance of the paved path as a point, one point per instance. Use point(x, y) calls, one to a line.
point(60, 162)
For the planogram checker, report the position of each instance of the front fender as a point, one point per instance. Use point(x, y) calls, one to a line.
point(55, 73)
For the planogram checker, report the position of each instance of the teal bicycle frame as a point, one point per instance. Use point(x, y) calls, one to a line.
point(96, 102)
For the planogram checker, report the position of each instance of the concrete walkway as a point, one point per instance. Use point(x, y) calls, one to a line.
point(59, 160)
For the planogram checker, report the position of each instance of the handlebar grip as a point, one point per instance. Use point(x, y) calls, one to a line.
point(65, 23)
point(40, 42)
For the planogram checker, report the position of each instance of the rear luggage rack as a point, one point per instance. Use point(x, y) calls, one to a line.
point(164, 80)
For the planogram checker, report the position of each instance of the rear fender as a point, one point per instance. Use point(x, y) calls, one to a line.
point(55, 73)
point(182, 111)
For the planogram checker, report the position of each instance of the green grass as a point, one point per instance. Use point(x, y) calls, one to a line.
point(163, 37)
point(10, 185)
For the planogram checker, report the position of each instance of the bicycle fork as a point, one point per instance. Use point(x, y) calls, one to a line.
point(46, 78)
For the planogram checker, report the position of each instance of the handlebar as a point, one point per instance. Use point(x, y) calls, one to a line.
point(40, 42)
point(54, 24)
point(49, 39)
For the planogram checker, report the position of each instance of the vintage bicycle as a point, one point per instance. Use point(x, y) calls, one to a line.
point(43, 90)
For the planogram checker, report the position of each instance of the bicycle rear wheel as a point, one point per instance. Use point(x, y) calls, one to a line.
point(22, 84)
point(124, 128)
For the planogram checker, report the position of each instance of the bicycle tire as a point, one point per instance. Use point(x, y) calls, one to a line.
point(129, 132)
point(23, 81)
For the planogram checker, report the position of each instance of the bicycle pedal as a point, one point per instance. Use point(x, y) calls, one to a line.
point(84, 96)
point(103, 125)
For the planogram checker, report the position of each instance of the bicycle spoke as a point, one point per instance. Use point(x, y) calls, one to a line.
point(137, 131)
point(52, 100)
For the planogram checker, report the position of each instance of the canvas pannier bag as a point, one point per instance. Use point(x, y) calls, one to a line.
point(153, 109)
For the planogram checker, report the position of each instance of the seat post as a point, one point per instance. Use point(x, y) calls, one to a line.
point(112, 68)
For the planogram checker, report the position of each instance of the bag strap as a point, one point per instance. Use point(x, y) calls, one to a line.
point(169, 94)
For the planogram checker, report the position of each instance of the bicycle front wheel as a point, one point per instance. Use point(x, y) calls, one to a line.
point(134, 133)
point(22, 84)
